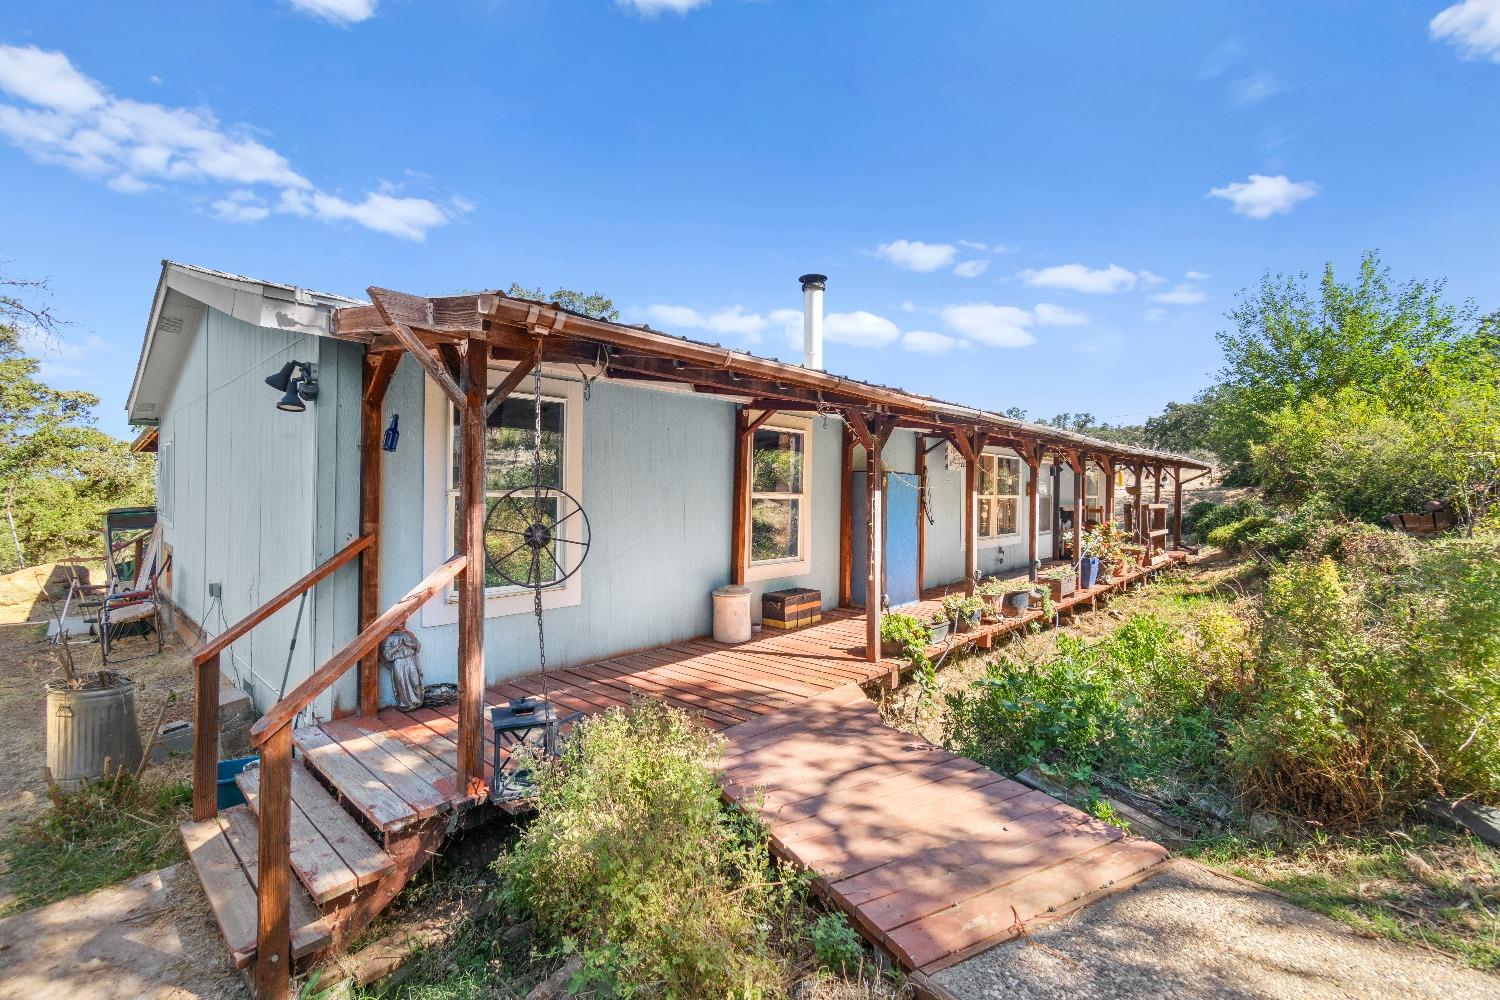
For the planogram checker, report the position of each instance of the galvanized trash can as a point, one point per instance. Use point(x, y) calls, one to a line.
point(86, 726)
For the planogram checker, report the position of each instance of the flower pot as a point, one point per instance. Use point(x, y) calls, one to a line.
point(1088, 571)
point(1017, 603)
point(967, 622)
point(1060, 586)
point(938, 631)
point(1107, 573)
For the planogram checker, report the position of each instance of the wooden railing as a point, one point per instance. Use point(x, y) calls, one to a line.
point(206, 683)
point(272, 736)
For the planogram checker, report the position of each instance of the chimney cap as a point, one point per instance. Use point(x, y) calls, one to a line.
point(813, 281)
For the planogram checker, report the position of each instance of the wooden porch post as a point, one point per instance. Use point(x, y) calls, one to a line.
point(1107, 470)
point(273, 918)
point(846, 518)
point(740, 517)
point(378, 370)
point(1140, 502)
point(921, 512)
point(1080, 503)
point(471, 580)
point(1033, 458)
point(874, 568)
point(972, 448)
point(1177, 507)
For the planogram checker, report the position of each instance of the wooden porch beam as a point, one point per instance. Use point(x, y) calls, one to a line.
point(760, 421)
point(1033, 459)
point(846, 517)
point(511, 381)
point(392, 306)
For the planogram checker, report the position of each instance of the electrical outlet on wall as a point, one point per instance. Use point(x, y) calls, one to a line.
point(215, 590)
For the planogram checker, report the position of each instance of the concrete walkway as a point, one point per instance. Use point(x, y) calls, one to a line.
point(1190, 933)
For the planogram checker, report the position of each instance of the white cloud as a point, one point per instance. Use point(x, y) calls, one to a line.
point(1472, 27)
point(337, 11)
point(1180, 295)
point(972, 245)
point(859, 329)
point(789, 322)
point(1086, 280)
point(241, 206)
point(914, 255)
point(62, 117)
point(907, 305)
point(1153, 314)
point(1048, 314)
point(47, 79)
point(1196, 276)
point(971, 268)
point(1253, 89)
point(987, 323)
point(1262, 197)
point(731, 320)
point(930, 342)
point(651, 8)
point(1150, 280)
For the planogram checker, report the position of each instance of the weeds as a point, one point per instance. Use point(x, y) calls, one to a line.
point(1419, 885)
point(107, 831)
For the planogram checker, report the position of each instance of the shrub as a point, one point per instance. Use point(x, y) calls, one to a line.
point(836, 946)
point(1377, 685)
point(634, 863)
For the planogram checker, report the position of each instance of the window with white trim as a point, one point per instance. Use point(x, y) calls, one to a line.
point(509, 464)
point(999, 496)
point(1093, 493)
point(780, 496)
point(166, 484)
point(1044, 500)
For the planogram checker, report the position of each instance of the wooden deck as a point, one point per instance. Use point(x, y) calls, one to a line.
point(398, 768)
point(931, 855)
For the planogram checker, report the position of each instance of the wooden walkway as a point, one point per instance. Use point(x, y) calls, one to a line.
point(931, 855)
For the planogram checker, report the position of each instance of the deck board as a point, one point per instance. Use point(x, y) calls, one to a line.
point(930, 854)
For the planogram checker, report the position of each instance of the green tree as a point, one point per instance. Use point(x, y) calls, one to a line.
point(597, 305)
point(59, 472)
point(1182, 427)
point(1291, 344)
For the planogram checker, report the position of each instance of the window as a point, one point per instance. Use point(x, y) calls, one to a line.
point(165, 485)
point(1093, 495)
point(778, 495)
point(999, 495)
point(1044, 500)
point(509, 456)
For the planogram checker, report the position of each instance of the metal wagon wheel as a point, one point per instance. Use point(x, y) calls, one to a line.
point(525, 522)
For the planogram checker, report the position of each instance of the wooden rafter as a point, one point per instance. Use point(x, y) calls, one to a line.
point(395, 310)
point(515, 378)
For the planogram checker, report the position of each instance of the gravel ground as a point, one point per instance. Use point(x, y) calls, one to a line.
point(1191, 933)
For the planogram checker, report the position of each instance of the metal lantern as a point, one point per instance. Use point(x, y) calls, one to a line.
point(523, 723)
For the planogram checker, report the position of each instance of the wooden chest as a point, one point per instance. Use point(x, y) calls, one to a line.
point(791, 608)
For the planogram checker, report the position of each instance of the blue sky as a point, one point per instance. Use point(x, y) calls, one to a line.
point(1017, 204)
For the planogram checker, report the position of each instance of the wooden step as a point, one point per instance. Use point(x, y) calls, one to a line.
point(331, 853)
point(368, 779)
point(223, 851)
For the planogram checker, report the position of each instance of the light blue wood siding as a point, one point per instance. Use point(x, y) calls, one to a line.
point(657, 470)
point(246, 482)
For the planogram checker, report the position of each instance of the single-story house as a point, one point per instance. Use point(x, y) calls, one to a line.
point(640, 428)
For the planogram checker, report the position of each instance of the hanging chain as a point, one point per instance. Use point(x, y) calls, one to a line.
point(536, 512)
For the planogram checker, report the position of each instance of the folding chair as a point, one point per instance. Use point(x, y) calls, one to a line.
point(134, 608)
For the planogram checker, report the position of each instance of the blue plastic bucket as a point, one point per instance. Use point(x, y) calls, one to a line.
point(228, 793)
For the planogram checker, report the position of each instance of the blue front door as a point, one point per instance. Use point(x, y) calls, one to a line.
point(902, 574)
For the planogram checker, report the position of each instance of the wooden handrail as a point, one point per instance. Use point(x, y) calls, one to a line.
point(284, 711)
point(206, 681)
point(281, 600)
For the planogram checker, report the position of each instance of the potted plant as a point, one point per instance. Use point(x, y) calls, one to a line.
point(938, 627)
point(992, 593)
point(1101, 543)
point(963, 611)
point(905, 637)
point(1088, 560)
point(1017, 602)
point(1061, 581)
